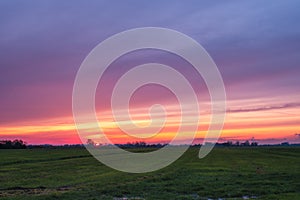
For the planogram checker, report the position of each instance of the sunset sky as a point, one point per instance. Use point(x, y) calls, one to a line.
point(255, 44)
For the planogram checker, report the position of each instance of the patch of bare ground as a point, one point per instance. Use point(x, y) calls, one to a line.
point(16, 191)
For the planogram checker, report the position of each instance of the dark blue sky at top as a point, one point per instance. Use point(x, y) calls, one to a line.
point(255, 44)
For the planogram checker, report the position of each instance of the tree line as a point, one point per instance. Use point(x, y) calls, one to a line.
point(15, 144)
point(142, 144)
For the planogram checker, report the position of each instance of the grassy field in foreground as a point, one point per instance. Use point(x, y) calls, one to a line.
point(227, 173)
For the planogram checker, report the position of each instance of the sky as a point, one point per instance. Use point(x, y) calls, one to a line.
point(255, 44)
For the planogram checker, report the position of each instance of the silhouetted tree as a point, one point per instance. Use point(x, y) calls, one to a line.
point(246, 143)
point(254, 144)
point(16, 144)
point(90, 142)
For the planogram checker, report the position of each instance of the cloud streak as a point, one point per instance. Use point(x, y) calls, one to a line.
point(265, 108)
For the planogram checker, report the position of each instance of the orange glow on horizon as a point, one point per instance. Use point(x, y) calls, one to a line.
point(240, 125)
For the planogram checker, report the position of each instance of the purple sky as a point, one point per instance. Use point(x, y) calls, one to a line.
point(255, 44)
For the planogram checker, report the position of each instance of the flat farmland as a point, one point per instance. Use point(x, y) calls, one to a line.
point(226, 173)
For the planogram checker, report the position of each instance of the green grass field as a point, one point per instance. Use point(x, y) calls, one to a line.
point(227, 173)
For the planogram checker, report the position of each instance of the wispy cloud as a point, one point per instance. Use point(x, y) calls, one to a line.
point(264, 108)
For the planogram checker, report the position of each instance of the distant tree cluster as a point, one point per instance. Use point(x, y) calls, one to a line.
point(239, 144)
point(15, 144)
point(140, 145)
